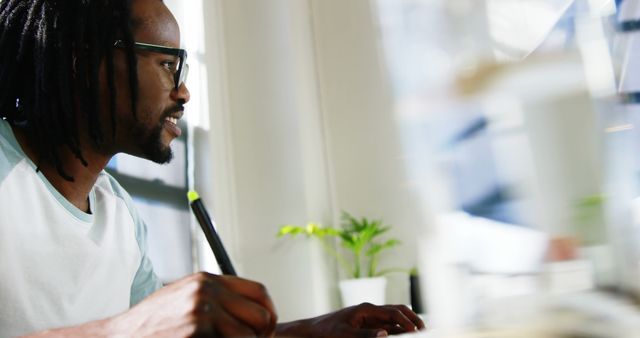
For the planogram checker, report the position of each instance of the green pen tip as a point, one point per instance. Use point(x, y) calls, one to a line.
point(192, 195)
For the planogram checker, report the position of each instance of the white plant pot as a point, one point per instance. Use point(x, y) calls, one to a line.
point(360, 290)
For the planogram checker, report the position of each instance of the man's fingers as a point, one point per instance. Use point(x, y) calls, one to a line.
point(366, 333)
point(252, 290)
point(411, 315)
point(225, 325)
point(251, 313)
point(393, 329)
point(244, 300)
point(387, 315)
point(402, 321)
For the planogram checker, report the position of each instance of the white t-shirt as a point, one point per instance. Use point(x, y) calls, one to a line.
point(60, 266)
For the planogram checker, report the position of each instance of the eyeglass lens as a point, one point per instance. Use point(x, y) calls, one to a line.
point(182, 76)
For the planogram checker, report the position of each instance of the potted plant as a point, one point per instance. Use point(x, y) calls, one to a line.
point(361, 239)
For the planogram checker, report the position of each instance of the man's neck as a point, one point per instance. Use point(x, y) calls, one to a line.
point(84, 177)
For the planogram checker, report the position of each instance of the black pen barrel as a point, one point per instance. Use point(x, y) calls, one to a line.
point(212, 237)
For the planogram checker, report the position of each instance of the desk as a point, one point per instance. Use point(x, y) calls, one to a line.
point(576, 315)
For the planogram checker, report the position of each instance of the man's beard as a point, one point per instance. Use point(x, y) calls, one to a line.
point(153, 148)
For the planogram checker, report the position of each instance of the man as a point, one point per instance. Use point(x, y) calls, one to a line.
point(83, 80)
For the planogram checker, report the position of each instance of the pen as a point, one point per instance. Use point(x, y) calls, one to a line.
point(210, 233)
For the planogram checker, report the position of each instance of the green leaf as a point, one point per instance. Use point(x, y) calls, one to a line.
point(289, 230)
point(356, 235)
point(377, 247)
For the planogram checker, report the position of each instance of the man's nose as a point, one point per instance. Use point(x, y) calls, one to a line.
point(181, 94)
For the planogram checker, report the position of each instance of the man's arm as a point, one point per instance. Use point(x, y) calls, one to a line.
point(364, 320)
point(97, 329)
point(200, 304)
point(204, 304)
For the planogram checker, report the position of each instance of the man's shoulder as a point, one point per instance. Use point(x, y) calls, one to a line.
point(111, 187)
point(10, 152)
point(108, 183)
point(8, 142)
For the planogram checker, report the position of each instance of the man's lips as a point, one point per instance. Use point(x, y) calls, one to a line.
point(171, 120)
point(175, 112)
point(171, 123)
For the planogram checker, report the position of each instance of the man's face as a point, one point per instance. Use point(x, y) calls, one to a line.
point(159, 104)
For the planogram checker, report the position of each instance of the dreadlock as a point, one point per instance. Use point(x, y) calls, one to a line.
point(50, 54)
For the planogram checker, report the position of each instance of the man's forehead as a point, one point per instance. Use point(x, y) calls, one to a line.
point(153, 23)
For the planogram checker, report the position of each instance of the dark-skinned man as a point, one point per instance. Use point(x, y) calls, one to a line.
point(83, 80)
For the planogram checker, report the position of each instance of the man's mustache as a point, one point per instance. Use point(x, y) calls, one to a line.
point(171, 110)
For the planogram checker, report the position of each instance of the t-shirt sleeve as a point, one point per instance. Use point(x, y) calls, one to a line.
point(10, 152)
point(146, 281)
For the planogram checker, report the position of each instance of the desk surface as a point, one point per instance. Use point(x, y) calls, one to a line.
point(479, 334)
point(588, 314)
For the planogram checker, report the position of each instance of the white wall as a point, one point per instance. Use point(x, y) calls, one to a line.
point(266, 146)
point(280, 175)
point(367, 158)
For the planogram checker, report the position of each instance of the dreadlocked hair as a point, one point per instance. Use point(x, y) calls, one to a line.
point(50, 57)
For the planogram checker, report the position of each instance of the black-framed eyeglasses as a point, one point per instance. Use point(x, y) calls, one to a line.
point(180, 71)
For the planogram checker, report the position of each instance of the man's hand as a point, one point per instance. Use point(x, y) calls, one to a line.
point(364, 320)
point(202, 305)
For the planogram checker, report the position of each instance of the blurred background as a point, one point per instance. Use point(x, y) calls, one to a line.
point(496, 137)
